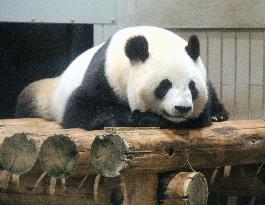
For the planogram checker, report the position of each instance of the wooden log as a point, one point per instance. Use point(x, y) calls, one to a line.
point(226, 143)
point(142, 153)
point(184, 188)
point(157, 150)
point(18, 154)
point(109, 151)
point(59, 156)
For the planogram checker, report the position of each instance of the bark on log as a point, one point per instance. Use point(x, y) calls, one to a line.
point(184, 188)
point(226, 143)
point(158, 150)
point(142, 152)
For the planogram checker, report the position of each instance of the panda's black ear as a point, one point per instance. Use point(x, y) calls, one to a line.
point(193, 47)
point(136, 49)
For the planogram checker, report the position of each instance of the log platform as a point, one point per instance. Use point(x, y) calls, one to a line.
point(41, 163)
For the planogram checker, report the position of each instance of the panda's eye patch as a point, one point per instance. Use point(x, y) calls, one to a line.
point(193, 90)
point(163, 88)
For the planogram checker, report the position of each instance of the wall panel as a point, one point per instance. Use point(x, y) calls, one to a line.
point(234, 59)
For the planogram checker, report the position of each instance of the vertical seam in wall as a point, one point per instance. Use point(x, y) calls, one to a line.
point(263, 74)
point(221, 66)
point(135, 7)
point(207, 52)
point(249, 73)
point(235, 88)
point(117, 22)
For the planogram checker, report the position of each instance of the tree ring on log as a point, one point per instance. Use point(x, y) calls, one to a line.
point(183, 188)
point(198, 189)
point(108, 155)
point(59, 156)
point(18, 154)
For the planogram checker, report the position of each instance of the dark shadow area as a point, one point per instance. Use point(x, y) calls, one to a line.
point(30, 52)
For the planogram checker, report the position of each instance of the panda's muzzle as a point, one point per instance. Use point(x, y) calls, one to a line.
point(183, 109)
point(181, 112)
point(173, 116)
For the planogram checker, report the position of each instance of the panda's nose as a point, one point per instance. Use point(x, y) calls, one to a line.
point(182, 109)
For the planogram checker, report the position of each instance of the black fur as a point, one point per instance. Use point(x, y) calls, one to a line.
point(136, 49)
point(193, 47)
point(213, 111)
point(163, 88)
point(216, 108)
point(94, 105)
point(193, 90)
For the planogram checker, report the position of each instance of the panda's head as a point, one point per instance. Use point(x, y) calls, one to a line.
point(164, 75)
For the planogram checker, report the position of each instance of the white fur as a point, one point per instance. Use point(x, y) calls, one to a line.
point(70, 80)
point(167, 60)
point(135, 84)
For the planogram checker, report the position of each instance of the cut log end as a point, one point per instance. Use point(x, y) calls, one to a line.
point(183, 188)
point(197, 189)
point(108, 155)
point(59, 156)
point(18, 154)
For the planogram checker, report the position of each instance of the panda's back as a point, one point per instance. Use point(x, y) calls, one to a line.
point(70, 79)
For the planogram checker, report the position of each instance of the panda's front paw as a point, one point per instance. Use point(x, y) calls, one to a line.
point(118, 122)
point(220, 116)
point(135, 118)
point(148, 119)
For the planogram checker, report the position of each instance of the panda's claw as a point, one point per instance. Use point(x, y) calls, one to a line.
point(218, 118)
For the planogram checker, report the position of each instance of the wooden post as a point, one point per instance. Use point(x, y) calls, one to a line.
point(184, 188)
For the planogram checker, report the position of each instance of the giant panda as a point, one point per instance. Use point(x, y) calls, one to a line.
point(141, 76)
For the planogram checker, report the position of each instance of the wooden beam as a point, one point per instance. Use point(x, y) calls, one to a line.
point(157, 150)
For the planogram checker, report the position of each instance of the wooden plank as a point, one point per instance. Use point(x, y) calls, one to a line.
point(214, 57)
point(228, 72)
point(217, 88)
point(203, 37)
point(242, 61)
point(256, 102)
point(228, 58)
point(242, 102)
point(228, 98)
point(256, 75)
point(264, 76)
point(256, 58)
